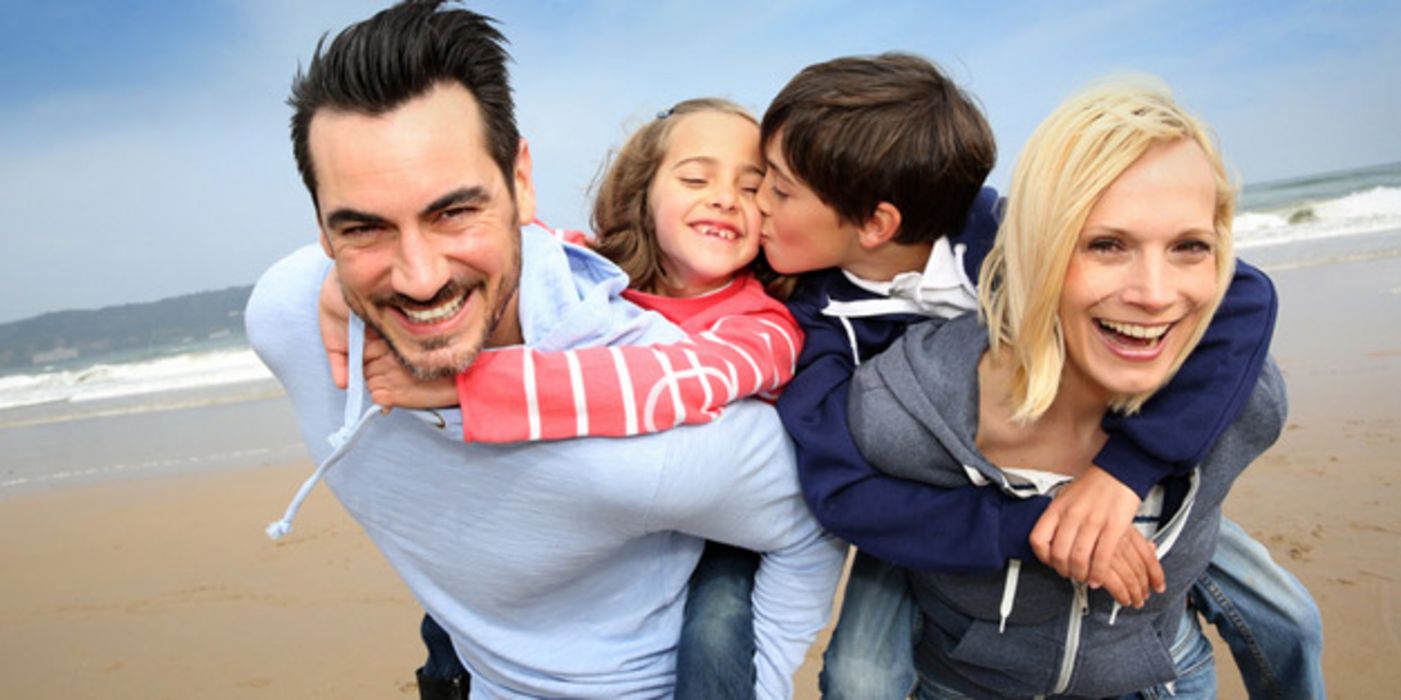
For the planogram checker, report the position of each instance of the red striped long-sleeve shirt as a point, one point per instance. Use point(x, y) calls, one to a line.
point(742, 343)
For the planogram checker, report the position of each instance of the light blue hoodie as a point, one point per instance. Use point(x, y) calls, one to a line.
point(559, 568)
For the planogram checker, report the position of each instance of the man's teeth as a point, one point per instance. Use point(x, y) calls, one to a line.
point(722, 233)
point(436, 313)
point(1134, 330)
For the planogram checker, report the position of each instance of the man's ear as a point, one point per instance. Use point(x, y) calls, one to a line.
point(525, 185)
point(880, 227)
point(326, 244)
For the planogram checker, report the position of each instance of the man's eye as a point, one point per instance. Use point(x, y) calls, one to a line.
point(458, 212)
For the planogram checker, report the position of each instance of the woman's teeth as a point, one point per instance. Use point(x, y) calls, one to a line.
point(1142, 334)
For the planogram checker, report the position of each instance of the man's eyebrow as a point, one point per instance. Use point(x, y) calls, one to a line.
point(350, 216)
point(457, 197)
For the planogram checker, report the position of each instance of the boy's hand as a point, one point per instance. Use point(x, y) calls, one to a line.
point(334, 317)
point(392, 385)
point(1132, 576)
point(1080, 531)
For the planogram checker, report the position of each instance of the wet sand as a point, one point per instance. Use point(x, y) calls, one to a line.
point(165, 587)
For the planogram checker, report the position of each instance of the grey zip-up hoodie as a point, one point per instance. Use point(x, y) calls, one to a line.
point(1027, 631)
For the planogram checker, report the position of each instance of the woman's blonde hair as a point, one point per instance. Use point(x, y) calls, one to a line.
point(622, 214)
point(1067, 164)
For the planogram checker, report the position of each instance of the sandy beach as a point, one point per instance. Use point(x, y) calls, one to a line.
point(166, 587)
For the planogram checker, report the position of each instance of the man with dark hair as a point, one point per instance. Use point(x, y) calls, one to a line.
point(557, 569)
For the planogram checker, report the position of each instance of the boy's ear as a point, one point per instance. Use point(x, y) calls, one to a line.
point(880, 227)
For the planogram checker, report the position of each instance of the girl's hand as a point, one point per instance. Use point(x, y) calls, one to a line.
point(333, 317)
point(392, 385)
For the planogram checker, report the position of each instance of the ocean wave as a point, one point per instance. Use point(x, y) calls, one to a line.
point(1368, 211)
point(107, 381)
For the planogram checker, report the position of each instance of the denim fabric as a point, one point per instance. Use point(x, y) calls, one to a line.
point(442, 676)
point(1265, 615)
point(870, 656)
point(715, 657)
point(1196, 666)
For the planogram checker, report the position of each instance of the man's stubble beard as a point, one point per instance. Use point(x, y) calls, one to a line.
point(510, 285)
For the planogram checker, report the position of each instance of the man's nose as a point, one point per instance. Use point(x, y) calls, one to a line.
point(420, 269)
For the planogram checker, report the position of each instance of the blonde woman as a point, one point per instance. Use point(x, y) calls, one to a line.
point(1113, 256)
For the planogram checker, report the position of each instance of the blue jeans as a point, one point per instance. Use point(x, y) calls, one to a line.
point(442, 676)
point(715, 657)
point(871, 654)
point(1265, 615)
point(1191, 655)
point(1262, 612)
point(1196, 666)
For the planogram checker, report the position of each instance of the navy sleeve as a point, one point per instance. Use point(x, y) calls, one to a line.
point(1178, 426)
point(916, 525)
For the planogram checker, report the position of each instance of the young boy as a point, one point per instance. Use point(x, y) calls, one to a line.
point(874, 187)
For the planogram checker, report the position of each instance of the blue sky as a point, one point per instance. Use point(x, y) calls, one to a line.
point(144, 150)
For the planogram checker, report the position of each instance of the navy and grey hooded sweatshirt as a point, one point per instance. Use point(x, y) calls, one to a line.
point(968, 529)
point(914, 414)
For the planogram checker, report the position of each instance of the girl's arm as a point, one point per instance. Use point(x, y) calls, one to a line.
point(517, 393)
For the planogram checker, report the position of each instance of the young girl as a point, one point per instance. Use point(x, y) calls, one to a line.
point(675, 210)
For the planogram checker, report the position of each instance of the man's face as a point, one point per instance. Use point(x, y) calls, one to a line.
point(424, 229)
point(801, 233)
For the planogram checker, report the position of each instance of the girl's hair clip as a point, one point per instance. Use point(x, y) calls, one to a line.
point(665, 113)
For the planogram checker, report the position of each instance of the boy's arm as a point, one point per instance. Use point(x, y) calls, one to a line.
point(516, 394)
point(1170, 436)
point(913, 524)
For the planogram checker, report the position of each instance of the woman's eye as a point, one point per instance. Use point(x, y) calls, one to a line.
point(693, 181)
point(1104, 245)
point(780, 194)
point(1195, 247)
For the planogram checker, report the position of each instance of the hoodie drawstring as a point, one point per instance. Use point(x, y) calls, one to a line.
point(343, 438)
point(1009, 593)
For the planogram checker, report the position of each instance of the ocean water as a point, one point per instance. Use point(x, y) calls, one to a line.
point(221, 408)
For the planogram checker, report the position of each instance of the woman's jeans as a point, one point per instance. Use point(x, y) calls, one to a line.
point(1264, 614)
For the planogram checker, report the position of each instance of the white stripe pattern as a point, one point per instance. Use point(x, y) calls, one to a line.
point(625, 385)
point(532, 400)
point(581, 400)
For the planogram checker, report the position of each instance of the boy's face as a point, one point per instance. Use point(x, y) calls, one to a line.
point(801, 233)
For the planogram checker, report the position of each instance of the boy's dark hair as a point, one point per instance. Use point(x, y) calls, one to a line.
point(862, 130)
point(377, 65)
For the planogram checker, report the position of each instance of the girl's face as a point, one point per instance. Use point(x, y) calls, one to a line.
point(1142, 274)
point(702, 201)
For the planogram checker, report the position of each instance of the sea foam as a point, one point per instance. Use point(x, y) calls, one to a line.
point(106, 381)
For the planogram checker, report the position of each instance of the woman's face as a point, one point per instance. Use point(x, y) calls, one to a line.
point(1142, 274)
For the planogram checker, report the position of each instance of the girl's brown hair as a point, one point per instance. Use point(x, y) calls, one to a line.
point(622, 215)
